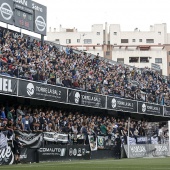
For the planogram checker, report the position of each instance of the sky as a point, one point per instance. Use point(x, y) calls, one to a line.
point(130, 14)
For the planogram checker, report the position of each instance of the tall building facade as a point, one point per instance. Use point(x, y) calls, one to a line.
point(136, 48)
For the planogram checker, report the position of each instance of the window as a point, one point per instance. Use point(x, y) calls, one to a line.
point(78, 40)
point(68, 41)
point(168, 52)
point(159, 33)
point(144, 59)
point(98, 33)
point(120, 60)
point(57, 41)
point(133, 59)
point(115, 33)
point(158, 60)
point(107, 52)
point(149, 40)
point(87, 41)
point(133, 40)
point(124, 40)
point(140, 40)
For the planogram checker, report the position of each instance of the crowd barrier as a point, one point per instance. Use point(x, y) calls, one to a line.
point(52, 146)
point(34, 90)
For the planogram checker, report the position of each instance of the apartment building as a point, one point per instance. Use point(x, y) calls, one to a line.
point(136, 48)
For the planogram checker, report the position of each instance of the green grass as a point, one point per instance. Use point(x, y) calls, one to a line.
point(103, 164)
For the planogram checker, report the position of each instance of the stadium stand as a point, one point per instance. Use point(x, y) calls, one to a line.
point(27, 59)
point(27, 119)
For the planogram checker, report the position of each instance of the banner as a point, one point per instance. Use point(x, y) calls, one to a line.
point(78, 151)
point(136, 151)
point(166, 111)
point(52, 152)
point(159, 150)
point(55, 137)
point(143, 140)
point(148, 108)
point(149, 150)
point(6, 156)
point(132, 140)
point(87, 99)
point(31, 140)
point(92, 142)
point(122, 104)
point(8, 85)
point(42, 91)
point(58, 152)
point(28, 155)
point(100, 142)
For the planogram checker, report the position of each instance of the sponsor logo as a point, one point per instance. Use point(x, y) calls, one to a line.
point(91, 98)
point(53, 151)
point(5, 85)
point(70, 151)
point(79, 150)
point(24, 15)
point(40, 23)
point(143, 107)
point(77, 97)
point(113, 103)
point(161, 148)
point(36, 7)
point(30, 89)
point(23, 2)
point(138, 149)
point(74, 152)
point(6, 156)
point(100, 141)
point(141, 139)
point(83, 151)
point(6, 11)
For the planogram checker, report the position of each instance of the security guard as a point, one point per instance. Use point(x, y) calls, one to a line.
point(117, 146)
point(17, 149)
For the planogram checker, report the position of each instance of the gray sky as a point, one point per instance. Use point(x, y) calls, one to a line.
point(129, 14)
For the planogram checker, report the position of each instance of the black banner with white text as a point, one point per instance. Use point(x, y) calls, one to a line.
point(42, 91)
point(87, 99)
point(122, 104)
point(150, 108)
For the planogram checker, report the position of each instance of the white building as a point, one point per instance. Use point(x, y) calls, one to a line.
point(136, 48)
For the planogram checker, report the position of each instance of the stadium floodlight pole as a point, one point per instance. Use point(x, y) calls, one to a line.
point(128, 136)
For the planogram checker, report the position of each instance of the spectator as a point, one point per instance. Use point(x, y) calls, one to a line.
point(2, 113)
point(26, 123)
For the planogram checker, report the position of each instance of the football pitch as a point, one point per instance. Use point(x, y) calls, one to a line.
point(103, 164)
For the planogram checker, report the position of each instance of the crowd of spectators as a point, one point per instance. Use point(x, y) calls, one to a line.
point(25, 58)
point(27, 119)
